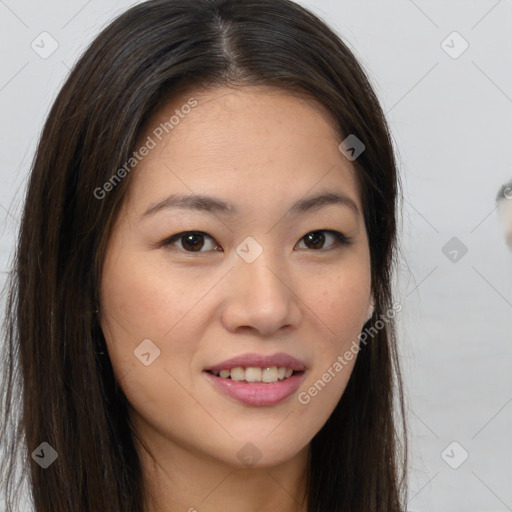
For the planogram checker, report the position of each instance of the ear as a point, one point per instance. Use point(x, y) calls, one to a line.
point(371, 308)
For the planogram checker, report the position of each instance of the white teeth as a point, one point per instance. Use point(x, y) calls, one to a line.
point(269, 374)
point(255, 374)
point(237, 373)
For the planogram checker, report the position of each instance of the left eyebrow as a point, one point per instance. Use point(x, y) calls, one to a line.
point(324, 199)
point(201, 202)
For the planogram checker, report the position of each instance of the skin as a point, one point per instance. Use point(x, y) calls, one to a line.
point(261, 149)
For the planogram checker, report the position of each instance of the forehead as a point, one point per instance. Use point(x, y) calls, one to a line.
point(250, 142)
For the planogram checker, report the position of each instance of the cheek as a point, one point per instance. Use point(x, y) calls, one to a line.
point(143, 301)
point(146, 298)
point(338, 307)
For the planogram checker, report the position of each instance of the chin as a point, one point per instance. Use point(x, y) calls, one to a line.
point(259, 453)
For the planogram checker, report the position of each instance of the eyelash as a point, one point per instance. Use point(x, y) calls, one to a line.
point(340, 239)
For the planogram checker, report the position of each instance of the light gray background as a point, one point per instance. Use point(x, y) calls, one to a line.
point(451, 122)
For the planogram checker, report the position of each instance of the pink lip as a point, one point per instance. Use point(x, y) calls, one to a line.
point(259, 361)
point(258, 393)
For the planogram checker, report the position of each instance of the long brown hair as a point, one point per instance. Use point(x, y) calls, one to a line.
point(57, 389)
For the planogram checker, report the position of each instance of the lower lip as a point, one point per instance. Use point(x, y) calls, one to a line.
point(258, 393)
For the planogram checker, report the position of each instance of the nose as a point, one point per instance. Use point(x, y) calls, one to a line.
point(262, 298)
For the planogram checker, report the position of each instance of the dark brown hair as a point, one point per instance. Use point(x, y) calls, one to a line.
point(56, 387)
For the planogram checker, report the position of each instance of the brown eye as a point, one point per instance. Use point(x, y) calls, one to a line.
point(191, 241)
point(316, 239)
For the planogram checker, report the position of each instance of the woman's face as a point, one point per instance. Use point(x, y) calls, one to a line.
point(263, 274)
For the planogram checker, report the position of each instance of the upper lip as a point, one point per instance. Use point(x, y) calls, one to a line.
point(259, 361)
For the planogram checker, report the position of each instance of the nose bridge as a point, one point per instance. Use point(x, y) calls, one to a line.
point(261, 293)
point(261, 281)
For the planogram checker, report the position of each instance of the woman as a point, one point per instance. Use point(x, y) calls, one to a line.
point(200, 314)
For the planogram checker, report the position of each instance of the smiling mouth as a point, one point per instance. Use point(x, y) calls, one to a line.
point(251, 374)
